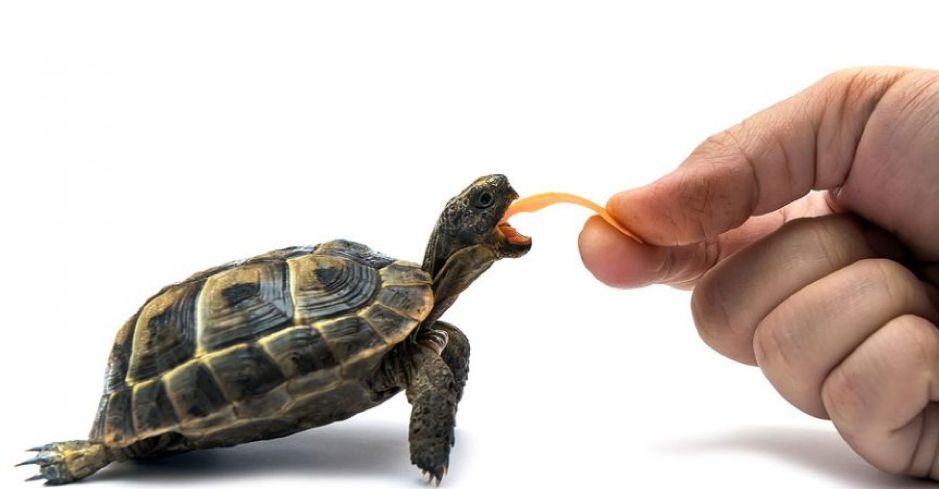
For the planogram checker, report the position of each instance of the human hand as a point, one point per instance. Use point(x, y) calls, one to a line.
point(833, 294)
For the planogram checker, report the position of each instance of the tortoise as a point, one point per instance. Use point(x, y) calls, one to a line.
point(294, 339)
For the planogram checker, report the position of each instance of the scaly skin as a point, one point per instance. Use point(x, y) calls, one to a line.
point(68, 461)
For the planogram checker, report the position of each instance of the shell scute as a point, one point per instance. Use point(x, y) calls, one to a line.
point(193, 391)
point(152, 409)
point(164, 335)
point(299, 351)
point(117, 424)
point(412, 301)
point(243, 303)
point(349, 337)
point(119, 360)
point(244, 370)
point(391, 324)
point(354, 251)
point(283, 254)
point(403, 272)
point(327, 286)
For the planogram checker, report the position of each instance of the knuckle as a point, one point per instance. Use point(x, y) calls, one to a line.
point(916, 337)
point(779, 351)
point(846, 99)
point(908, 342)
point(772, 350)
point(726, 146)
point(770, 346)
point(826, 243)
point(708, 311)
point(857, 84)
point(835, 240)
point(921, 91)
point(716, 326)
point(776, 347)
point(891, 279)
point(843, 398)
point(724, 143)
point(712, 183)
point(916, 342)
point(695, 194)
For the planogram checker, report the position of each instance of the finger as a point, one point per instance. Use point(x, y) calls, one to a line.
point(804, 338)
point(933, 292)
point(730, 301)
point(619, 261)
point(775, 157)
point(882, 397)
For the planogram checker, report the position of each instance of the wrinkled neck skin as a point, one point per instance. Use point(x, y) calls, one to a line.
point(453, 266)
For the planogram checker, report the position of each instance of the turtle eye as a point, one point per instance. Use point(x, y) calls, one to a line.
point(483, 200)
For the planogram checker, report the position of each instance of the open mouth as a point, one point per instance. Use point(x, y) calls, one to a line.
point(510, 234)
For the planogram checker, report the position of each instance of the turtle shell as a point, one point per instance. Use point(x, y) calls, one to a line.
point(254, 339)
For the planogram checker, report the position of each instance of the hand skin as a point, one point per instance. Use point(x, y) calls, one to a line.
point(833, 293)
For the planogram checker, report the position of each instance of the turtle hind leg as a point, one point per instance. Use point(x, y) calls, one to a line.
point(67, 461)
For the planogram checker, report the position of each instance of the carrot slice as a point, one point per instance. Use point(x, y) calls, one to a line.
point(537, 202)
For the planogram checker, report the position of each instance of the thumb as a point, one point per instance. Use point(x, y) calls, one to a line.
point(767, 161)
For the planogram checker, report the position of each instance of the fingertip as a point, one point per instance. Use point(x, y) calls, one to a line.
point(623, 205)
point(649, 211)
point(613, 258)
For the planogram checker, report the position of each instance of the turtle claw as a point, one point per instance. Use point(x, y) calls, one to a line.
point(48, 462)
point(67, 461)
point(42, 458)
point(27, 462)
point(434, 475)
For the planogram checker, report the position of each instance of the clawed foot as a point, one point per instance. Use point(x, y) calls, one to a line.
point(435, 475)
point(67, 461)
point(432, 458)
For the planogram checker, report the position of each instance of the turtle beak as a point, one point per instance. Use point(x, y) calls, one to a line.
point(514, 243)
point(513, 195)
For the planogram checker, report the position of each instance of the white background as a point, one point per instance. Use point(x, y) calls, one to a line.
point(140, 142)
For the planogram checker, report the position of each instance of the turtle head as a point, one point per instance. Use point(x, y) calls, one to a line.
point(469, 236)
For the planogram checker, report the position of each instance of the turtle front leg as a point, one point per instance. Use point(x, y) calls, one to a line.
point(432, 392)
point(456, 355)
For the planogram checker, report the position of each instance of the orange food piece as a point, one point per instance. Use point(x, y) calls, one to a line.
point(537, 202)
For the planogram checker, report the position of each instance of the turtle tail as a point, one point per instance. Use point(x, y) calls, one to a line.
point(67, 461)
